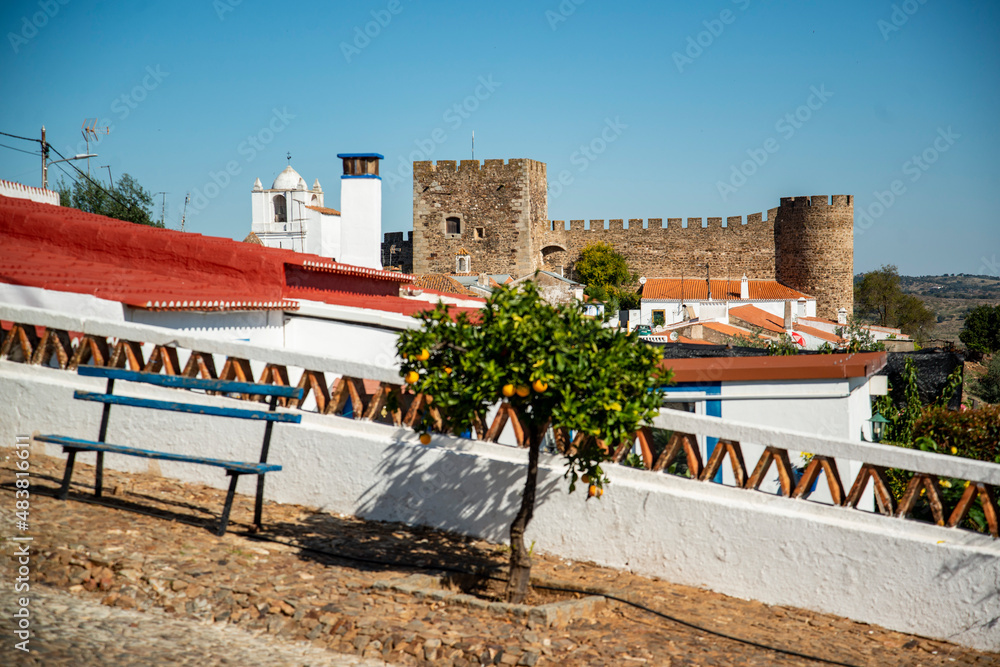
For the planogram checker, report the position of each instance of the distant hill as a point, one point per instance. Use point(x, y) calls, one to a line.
point(951, 296)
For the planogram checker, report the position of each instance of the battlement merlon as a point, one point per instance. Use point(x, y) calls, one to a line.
point(839, 201)
point(451, 166)
point(734, 222)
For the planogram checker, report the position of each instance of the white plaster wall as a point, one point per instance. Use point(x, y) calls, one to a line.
point(257, 327)
point(365, 344)
point(905, 576)
point(70, 303)
point(828, 408)
point(40, 195)
point(361, 221)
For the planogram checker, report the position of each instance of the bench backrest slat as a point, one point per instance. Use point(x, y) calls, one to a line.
point(172, 406)
point(179, 382)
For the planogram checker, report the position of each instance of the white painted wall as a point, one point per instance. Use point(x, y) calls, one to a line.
point(361, 221)
point(710, 310)
point(70, 303)
point(19, 191)
point(903, 575)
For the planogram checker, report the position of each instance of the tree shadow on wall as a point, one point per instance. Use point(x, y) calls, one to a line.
point(420, 511)
point(451, 490)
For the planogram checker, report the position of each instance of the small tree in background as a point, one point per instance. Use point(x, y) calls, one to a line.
point(879, 299)
point(606, 274)
point(556, 367)
point(981, 331)
point(127, 201)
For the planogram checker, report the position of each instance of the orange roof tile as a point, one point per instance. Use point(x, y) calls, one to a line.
point(697, 290)
point(757, 317)
point(727, 329)
point(819, 333)
point(324, 210)
point(439, 282)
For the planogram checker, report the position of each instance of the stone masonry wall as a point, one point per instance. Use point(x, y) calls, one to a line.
point(668, 248)
point(814, 250)
point(496, 204)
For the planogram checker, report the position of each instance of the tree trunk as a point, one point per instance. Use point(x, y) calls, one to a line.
point(520, 560)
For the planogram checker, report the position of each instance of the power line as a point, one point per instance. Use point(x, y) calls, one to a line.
point(7, 134)
point(21, 150)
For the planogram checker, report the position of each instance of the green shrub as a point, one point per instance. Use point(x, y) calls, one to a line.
point(974, 434)
point(987, 387)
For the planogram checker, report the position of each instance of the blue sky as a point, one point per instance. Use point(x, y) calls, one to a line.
point(648, 109)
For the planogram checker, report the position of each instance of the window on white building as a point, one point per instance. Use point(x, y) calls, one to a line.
point(280, 212)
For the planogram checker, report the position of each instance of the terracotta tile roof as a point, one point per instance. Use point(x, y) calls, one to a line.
point(819, 319)
point(697, 290)
point(253, 239)
point(819, 333)
point(727, 329)
point(440, 282)
point(757, 317)
point(324, 210)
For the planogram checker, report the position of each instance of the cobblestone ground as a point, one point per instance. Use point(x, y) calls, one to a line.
point(73, 631)
point(147, 557)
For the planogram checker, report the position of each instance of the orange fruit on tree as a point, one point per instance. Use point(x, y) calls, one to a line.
point(586, 479)
point(425, 438)
point(522, 391)
point(539, 386)
point(424, 355)
point(412, 377)
point(507, 390)
point(447, 370)
point(592, 491)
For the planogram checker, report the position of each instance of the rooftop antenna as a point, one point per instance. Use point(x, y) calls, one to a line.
point(163, 205)
point(473, 144)
point(187, 198)
point(289, 158)
point(108, 167)
point(89, 131)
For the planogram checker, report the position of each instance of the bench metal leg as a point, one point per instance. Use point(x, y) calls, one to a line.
point(224, 521)
point(68, 475)
point(99, 479)
point(258, 508)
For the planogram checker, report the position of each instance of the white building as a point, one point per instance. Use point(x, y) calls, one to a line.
point(667, 301)
point(289, 215)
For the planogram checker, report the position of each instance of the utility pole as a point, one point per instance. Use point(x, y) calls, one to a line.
point(45, 167)
point(163, 205)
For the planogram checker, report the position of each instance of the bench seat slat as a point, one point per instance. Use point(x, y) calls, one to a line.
point(237, 413)
point(90, 445)
point(179, 382)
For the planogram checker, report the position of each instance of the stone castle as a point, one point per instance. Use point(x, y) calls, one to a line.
point(493, 218)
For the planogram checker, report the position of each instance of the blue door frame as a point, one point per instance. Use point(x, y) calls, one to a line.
point(713, 408)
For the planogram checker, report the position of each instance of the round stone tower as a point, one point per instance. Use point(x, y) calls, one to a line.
point(814, 250)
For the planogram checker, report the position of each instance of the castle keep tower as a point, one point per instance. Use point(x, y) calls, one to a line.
point(488, 214)
point(814, 250)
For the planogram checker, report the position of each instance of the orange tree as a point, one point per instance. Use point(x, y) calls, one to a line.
point(555, 366)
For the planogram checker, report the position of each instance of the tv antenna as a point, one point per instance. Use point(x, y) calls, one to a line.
point(473, 145)
point(163, 205)
point(289, 158)
point(91, 130)
point(110, 178)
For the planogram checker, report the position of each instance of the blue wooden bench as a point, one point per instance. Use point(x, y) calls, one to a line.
point(233, 468)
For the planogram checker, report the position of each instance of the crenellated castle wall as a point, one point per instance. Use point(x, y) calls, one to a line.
point(806, 243)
